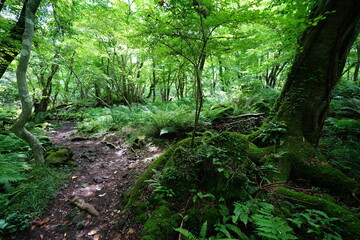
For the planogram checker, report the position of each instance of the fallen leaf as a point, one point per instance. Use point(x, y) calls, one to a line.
point(131, 231)
point(73, 177)
point(33, 227)
point(42, 222)
point(101, 195)
point(41, 236)
point(92, 232)
point(96, 237)
point(117, 237)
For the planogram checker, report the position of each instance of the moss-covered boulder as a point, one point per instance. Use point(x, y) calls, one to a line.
point(161, 224)
point(217, 166)
point(199, 182)
point(60, 156)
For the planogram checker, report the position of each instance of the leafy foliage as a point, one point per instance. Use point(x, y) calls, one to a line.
point(270, 226)
point(25, 188)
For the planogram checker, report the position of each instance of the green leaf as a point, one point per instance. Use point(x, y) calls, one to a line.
point(186, 233)
point(166, 130)
point(237, 231)
point(203, 230)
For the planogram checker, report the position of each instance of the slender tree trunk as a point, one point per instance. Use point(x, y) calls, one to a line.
point(153, 84)
point(305, 98)
point(357, 66)
point(47, 90)
point(19, 126)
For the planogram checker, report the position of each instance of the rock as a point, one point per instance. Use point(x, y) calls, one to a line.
point(60, 156)
point(89, 156)
point(132, 165)
point(121, 222)
point(78, 139)
point(78, 218)
point(81, 225)
point(98, 179)
point(62, 228)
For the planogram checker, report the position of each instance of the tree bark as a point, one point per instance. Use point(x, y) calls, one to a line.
point(19, 126)
point(2, 3)
point(47, 89)
point(8, 46)
point(357, 66)
point(324, 47)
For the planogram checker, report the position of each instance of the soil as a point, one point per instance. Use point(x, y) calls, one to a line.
point(105, 170)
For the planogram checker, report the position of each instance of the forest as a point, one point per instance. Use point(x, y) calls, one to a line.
point(179, 119)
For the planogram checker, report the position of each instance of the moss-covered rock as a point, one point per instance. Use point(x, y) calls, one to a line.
point(226, 166)
point(60, 156)
point(161, 224)
point(200, 213)
point(217, 166)
point(135, 192)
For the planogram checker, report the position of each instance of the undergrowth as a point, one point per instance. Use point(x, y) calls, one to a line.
point(340, 143)
point(25, 187)
point(174, 119)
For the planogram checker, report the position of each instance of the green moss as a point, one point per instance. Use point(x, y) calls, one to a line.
point(217, 166)
point(140, 207)
point(255, 153)
point(161, 224)
point(326, 176)
point(60, 155)
point(200, 214)
point(141, 218)
point(234, 143)
point(350, 224)
point(135, 192)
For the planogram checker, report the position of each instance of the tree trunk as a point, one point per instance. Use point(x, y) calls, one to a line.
point(2, 3)
point(324, 46)
point(357, 66)
point(8, 48)
point(19, 126)
point(47, 89)
point(153, 83)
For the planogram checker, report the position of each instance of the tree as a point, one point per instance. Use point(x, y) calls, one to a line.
point(324, 47)
point(19, 126)
point(8, 44)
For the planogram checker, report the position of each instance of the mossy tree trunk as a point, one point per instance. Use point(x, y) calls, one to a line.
point(8, 45)
point(323, 50)
point(357, 66)
point(19, 126)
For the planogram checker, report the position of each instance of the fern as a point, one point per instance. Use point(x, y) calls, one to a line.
point(317, 223)
point(269, 226)
point(11, 170)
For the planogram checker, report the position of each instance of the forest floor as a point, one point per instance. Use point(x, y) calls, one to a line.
point(105, 169)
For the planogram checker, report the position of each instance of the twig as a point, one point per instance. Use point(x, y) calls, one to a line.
point(246, 115)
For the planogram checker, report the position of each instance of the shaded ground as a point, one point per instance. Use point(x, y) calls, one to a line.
point(105, 170)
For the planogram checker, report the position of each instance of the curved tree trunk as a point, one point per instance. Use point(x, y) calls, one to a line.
point(19, 126)
point(324, 47)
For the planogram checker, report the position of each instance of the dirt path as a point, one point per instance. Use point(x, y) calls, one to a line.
point(104, 171)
